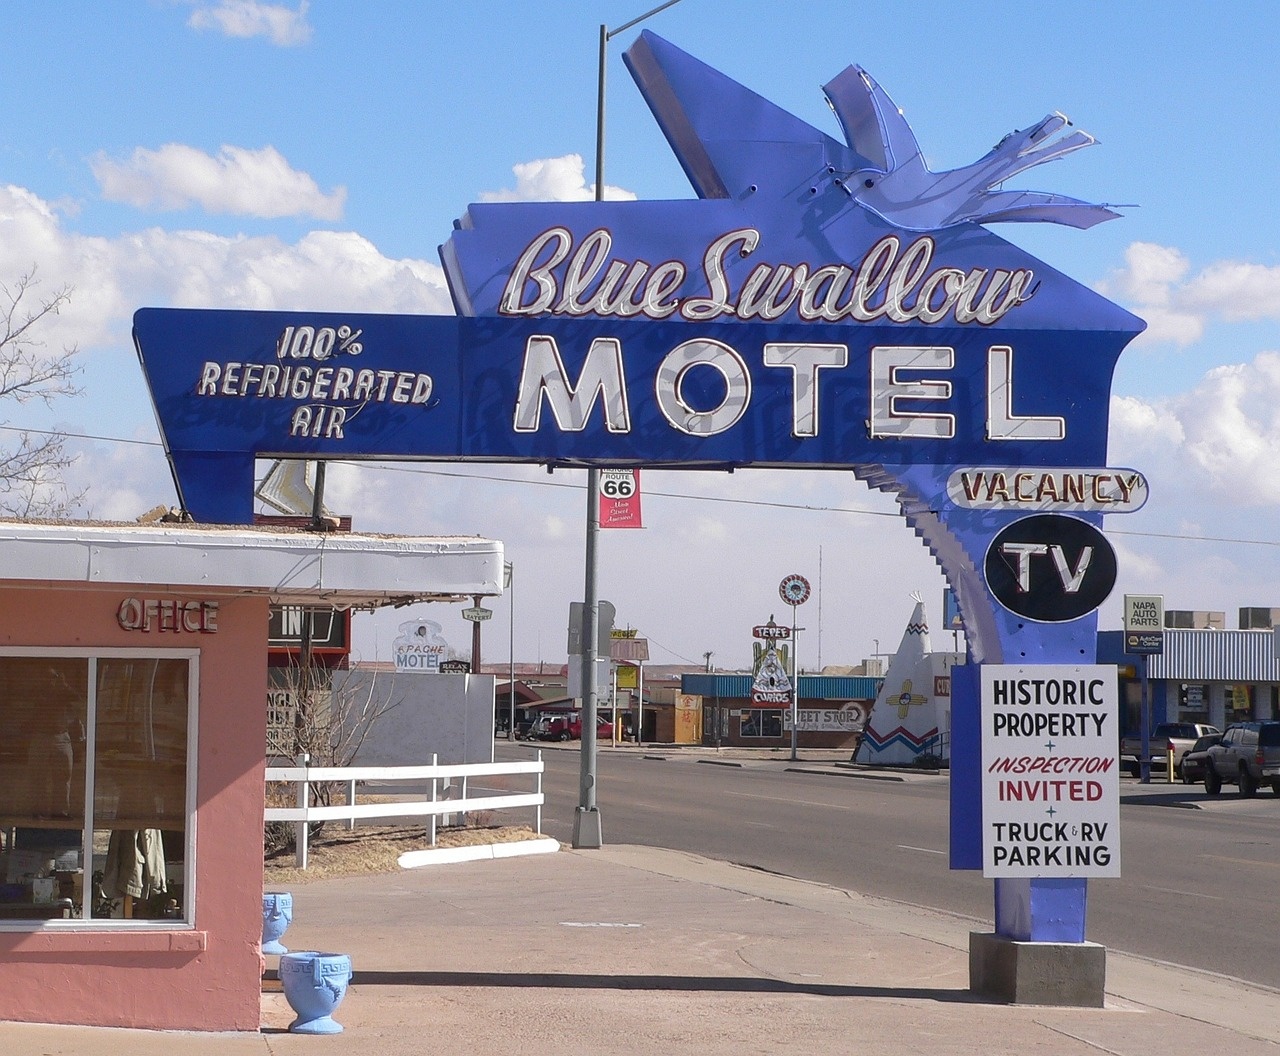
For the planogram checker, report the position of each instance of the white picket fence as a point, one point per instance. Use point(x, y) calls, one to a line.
point(443, 799)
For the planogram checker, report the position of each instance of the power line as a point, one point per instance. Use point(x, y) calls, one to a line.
point(494, 478)
point(80, 436)
point(668, 649)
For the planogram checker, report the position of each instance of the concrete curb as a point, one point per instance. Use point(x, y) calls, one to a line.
point(478, 852)
point(838, 772)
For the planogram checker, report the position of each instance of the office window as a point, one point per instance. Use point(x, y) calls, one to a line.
point(93, 786)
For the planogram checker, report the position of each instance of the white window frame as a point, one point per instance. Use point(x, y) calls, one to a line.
point(92, 655)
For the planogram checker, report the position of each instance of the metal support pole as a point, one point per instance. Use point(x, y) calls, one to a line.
point(434, 786)
point(795, 683)
point(537, 811)
point(475, 638)
point(586, 823)
point(511, 647)
point(300, 828)
point(1144, 764)
point(317, 498)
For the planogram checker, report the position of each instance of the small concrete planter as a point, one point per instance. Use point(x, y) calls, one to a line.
point(277, 912)
point(314, 985)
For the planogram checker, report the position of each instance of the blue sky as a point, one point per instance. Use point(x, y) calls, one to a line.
point(313, 156)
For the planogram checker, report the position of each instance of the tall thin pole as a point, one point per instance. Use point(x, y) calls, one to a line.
point(511, 650)
point(819, 610)
point(640, 710)
point(587, 829)
point(1144, 764)
point(475, 637)
point(795, 683)
point(586, 823)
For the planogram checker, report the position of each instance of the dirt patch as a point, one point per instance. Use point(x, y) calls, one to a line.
point(377, 849)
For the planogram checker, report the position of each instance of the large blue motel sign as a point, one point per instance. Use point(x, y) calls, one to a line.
point(821, 304)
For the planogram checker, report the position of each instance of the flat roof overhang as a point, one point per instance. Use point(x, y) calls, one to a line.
point(291, 566)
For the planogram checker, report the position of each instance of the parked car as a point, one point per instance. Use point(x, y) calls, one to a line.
point(523, 727)
point(1191, 766)
point(537, 729)
point(1247, 756)
point(1179, 736)
point(568, 727)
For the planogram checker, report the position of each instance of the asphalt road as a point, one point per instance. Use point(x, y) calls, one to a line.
point(1198, 885)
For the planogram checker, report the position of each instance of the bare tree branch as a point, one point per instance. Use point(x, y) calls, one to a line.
point(330, 725)
point(32, 481)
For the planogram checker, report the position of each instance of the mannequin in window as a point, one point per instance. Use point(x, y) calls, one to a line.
point(52, 754)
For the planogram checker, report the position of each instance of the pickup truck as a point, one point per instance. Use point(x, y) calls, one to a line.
point(1181, 735)
point(1247, 756)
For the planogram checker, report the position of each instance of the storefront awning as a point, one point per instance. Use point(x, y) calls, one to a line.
point(341, 570)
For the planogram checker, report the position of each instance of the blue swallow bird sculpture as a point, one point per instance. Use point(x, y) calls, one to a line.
point(732, 143)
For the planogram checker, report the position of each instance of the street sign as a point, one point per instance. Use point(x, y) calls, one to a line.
point(620, 498)
point(1050, 568)
point(794, 590)
point(629, 650)
point(1144, 612)
point(476, 614)
point(604, 635)
point(1144, 643)
point(1144, 624)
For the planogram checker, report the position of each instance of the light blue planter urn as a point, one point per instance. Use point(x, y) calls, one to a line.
point(314, 985)
point(277, 912)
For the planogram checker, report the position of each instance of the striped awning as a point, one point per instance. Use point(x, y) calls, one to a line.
point(1216, 656)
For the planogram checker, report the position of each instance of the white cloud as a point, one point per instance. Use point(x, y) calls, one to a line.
point(1206, 536)
point(138, 474)
point(1155, 285)
point(239, 181)
point(553, 180)
point(1145, 427)
point(1232, 425)
point(1236, 290)
point(1217, 444)
point(112, 277)
point(284, 26)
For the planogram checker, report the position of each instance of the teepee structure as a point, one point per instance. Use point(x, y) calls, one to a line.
point(911, 716)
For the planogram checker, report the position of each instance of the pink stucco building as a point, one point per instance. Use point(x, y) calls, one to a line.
point(133, 678)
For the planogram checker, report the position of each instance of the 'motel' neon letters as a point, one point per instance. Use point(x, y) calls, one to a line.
point(890, 413)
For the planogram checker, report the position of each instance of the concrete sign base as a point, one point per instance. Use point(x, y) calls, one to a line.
point(1037, 973)
point(587, 831)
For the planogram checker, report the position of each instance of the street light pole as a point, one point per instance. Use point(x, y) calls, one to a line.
point(795, 684)
point(587, 832)
point(511, 648)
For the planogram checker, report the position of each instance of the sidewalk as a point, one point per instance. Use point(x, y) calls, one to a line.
point(643, 951)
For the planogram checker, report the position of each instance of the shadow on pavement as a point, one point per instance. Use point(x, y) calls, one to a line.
point(690, 983)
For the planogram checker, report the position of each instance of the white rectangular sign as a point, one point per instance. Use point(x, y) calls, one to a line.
point(1144, 612)
point(1051, 770)
point(849, 719)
